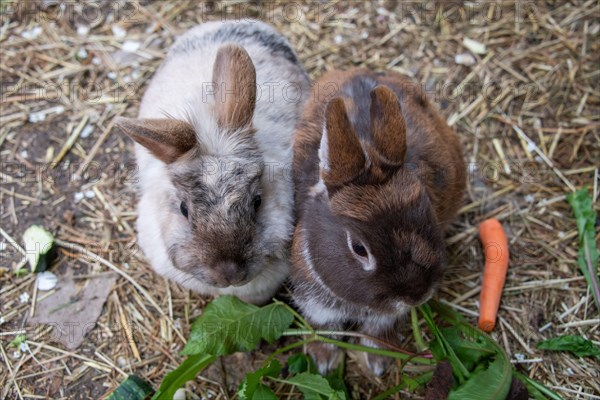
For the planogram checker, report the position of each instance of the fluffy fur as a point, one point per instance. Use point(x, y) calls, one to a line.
point(241, 150)
point(378, 176)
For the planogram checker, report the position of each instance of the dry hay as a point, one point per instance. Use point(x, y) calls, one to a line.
point(527, 112)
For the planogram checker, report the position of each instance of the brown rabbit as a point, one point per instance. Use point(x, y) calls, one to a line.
point(378, 176)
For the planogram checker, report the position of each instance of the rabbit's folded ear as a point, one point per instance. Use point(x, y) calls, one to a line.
point(167, 139)
point(341, 155)
point(234, 77)
point(388, 125)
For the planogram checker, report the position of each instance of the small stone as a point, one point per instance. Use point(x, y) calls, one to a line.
point(83, 30)
point(33, 33)
point(118, 31)
point(24, 297)
point(474, 46)
point(46, 281)
point(82, 54)
point(87, 131)
point(179, 394)
point(464, 59)
point(131, 46)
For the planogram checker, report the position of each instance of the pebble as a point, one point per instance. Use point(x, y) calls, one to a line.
point(118, 31)
point(179, 394)
point(83, 30)
point(46, 281)
point(131, 46)
point(32, 33)
point(24, 297)
point(464, 59)
point(474, 46)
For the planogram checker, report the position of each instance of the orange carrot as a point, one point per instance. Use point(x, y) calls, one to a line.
point(495, 247)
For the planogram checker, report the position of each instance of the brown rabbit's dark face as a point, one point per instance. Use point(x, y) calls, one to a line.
point(217, 203)
point(386, 247)
point(374, 238)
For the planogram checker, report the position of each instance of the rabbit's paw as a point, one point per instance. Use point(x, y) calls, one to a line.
point(326, 356)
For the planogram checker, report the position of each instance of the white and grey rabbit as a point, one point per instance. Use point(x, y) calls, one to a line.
point(379, 174)
point(213, 146)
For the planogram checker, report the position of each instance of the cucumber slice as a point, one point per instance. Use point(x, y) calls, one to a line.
point(39, 246)
point(132, 388)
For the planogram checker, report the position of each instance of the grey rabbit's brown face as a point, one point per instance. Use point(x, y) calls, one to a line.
point(218, 200)
point(212, 211)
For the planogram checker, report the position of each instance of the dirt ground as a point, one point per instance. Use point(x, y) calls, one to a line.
point(526, 108)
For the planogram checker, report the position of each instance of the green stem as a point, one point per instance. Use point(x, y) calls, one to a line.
point(318, 332)
point(303, 323)
point(406, 383)
point(317, 337)
point(373, 350)
point(414, 318)
point(538, 386)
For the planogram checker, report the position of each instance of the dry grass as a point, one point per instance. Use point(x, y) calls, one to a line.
point(527, 112)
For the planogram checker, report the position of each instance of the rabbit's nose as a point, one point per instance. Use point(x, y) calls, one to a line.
point(231, 272)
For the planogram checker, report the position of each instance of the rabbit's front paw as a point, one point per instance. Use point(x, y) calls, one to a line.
point(377, 364)
point(326, 356)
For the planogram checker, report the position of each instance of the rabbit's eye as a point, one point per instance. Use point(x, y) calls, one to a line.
point(257, 200)
point(183, 208)
point(359, 249)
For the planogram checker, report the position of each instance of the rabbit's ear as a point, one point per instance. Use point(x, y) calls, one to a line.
point(341, 155)
point(166, 139)
point(234, 77)
point(388, 125)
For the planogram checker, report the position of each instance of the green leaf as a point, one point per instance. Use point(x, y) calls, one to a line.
point(248, 387)
point(575, 344)
point(132, 388)
point(472, 349)
point(263, 393)
point(313, 386)
point(442, 349)
point(21, 272)
point(535, 389)
point(491, 382)
point(17, 341)
point(484, 367)
point(408, 383)
point(187, 371)
point(300, 362)
point(336, 377)
point(488, 380)
point(582, 205)
point(229, 325)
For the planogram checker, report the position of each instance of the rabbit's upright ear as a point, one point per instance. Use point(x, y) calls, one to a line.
point(341, 155)
point(234, 77)
point(166, 139)
point(388, 125)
